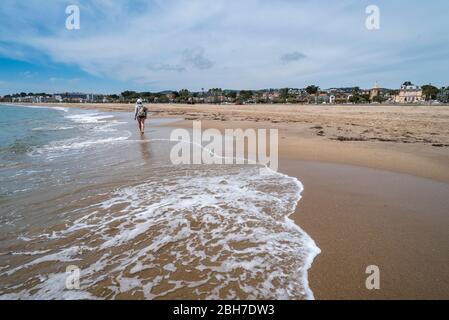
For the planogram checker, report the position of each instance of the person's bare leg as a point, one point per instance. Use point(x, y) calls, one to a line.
point(140, 120)
point(138, 123)
point(142, 130)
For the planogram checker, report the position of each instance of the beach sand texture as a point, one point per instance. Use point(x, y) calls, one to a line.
point(376, 188)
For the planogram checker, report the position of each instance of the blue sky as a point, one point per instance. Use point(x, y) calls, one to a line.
point(164, 44)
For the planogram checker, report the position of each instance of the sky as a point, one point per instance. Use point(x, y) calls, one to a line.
point(160, 45)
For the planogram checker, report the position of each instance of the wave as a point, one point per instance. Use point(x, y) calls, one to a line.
point(90, 118)
point(64, 109)
point(58, 148)
point(202, 230)
point(99, 132)
point(53, 128)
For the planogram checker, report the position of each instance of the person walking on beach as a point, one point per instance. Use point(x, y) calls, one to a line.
point(140, 115)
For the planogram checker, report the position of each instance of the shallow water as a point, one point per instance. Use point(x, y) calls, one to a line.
point(85, 190)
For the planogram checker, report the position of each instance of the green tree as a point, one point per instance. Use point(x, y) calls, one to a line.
point(215, 92)
point(430, 92)
point(245, 95)
point(443, 95)
point(394, 92)
point(354, 99)
point(161, 98)
point(184, 94)
point(129, 95)
point(231, 94)
point(283, 94)
point(312, 89)
point(365, 98)
point(379, 99)
point(356, 91)
point(259, 97)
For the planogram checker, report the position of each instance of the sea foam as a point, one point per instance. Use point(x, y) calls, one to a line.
point(215, 232)
point(199, 232)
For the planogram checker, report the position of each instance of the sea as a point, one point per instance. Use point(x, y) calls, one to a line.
point(91, 209)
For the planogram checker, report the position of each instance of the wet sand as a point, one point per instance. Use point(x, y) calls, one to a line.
point(364, 123)
point(377, 203)
point(376, 189)
point(360, 217)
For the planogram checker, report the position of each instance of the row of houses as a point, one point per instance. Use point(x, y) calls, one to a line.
point(58, 98)
point(407, 94)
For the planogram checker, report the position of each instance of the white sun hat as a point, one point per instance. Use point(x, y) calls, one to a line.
point(139, 101)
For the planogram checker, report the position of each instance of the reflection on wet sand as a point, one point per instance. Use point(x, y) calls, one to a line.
point(145, 148)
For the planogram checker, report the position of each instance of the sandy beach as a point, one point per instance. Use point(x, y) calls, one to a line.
point(376, 188)
point(405, 139)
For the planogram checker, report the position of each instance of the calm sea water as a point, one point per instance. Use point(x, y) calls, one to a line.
point(22, 128)
point(81, 188)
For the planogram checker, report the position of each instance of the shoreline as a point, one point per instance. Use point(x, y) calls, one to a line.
point(417, 160)
point(406, 139)
point(380, 201)
point(379, 190)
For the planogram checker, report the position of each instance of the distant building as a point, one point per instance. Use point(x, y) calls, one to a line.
point(338, 96)
point(271, 95)
point(171, 96)
point(375, 92)
point(295, 92)
point(322, 97)
point(409, 93)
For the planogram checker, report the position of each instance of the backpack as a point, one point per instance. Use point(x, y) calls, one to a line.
point(142, 112)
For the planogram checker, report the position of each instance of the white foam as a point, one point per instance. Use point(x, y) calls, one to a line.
point(201, 219)
point(59, 148)
point(89, 118)
point(201, 215)
point(170, 267)
point(100, 133)
point(55, 128)
point(50, 287)
point(64, 109)
point(70, 145)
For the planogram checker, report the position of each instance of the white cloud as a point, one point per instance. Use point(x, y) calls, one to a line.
point(232, 44)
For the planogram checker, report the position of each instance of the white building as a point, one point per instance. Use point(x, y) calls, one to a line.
point(409, 93)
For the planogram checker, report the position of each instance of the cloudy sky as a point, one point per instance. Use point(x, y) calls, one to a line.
point(251, 44)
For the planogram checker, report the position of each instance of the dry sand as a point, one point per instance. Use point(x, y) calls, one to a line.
point(376, 189)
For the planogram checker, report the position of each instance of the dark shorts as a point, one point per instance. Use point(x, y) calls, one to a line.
point(141, 118)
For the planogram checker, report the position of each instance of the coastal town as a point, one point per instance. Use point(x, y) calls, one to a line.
point(407, 93)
